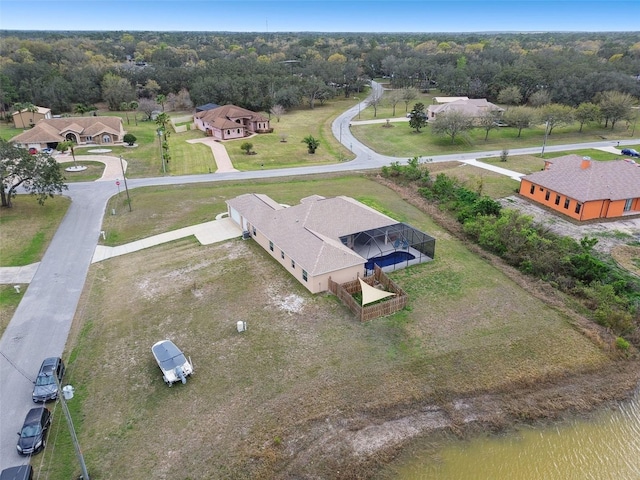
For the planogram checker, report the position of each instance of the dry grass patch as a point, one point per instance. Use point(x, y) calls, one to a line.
point(288, 396)
point(628, 257)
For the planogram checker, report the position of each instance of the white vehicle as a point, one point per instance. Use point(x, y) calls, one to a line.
point(174, 365)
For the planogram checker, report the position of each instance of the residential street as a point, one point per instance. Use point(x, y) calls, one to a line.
point(42, 321)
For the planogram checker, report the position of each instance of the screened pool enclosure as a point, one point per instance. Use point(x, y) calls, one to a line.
point(391, 247)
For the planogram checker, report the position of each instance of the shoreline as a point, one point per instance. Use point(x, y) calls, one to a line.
point(366, 443)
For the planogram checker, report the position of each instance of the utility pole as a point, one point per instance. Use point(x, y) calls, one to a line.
point(544, 141)
point(125, 184)
point(72, 430)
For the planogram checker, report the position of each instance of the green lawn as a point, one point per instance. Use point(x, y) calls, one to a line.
point(401, 140)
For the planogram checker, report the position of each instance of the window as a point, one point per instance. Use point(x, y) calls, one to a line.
point(533, 189)
point(293, 264)
point(304, 275)
point(238, 131)
point(557, 199)
point(271, 246)
point(566, 203)
point(228, 132)
point(578, 207)
point(627, 204)
point(546, 197)
point(281, 254)
point(541, 189)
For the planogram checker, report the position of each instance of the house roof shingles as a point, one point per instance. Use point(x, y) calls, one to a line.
point(51, 129)
point(615, 180)
point(309, 233)
point(472, 107)
point(230, 112)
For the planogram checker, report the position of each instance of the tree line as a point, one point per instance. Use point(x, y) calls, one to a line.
point(258, 71)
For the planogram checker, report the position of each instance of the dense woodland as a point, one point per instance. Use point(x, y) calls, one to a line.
point(72, 71)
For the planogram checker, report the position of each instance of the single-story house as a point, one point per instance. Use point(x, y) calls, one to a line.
point(321, 238)
point(229, 122)
point(472, 107)
point(584, 189)
point(26, 119)
point(47, 133)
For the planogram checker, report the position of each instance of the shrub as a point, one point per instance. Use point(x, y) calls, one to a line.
point(622, 344)
point(129, 139)
point(247, 147)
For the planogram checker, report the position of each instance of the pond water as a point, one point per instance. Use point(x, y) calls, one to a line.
point(606, 446)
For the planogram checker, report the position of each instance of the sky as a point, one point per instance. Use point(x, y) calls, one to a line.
point(323, 16)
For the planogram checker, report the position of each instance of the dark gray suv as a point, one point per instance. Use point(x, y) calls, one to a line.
point(45, 388)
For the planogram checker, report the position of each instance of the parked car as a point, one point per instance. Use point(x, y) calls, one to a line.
point(33, 434)
point(33, 151)
point(630, 152)
point(22, 472)
point(174, 365)
point(48, 150)
point(45, 387)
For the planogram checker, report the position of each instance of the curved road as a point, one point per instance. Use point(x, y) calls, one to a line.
point(41, 323)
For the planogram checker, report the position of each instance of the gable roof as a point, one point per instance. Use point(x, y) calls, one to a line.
point(41, 111)
point(585, 180)
point(309, 233)
point(52, 129)
point(230, 112)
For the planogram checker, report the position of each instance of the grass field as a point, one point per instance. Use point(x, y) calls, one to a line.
point(257, 397)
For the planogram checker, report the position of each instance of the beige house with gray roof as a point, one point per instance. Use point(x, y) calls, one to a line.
point(26, 119)
point(321, 238)
point(48, 132)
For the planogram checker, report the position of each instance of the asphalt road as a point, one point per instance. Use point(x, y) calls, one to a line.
point(41, 323)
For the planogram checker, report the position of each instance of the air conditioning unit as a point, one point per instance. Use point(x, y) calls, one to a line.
point(246, 235)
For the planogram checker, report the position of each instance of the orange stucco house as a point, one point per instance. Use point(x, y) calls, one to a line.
point(584, 189)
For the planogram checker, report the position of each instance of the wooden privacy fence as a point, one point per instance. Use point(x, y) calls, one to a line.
point(384, 307)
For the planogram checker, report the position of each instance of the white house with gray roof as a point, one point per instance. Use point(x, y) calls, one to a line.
point(321, 238)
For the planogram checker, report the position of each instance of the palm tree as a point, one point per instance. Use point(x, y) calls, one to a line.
point(31, 108)
point(161, 99)
point(19, 107)
point(68, 145)
point(124, 106)
point(81, 108)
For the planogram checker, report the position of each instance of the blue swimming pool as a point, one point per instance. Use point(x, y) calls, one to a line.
point(389, 259)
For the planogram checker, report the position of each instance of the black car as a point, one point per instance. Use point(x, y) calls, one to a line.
point(33, 435)
point(21, 472)
point(45, 388)
point(630, 152)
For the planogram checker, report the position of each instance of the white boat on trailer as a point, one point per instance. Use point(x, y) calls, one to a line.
point(173, 363)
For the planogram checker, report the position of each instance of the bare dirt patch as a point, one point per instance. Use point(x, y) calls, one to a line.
point(609, 233)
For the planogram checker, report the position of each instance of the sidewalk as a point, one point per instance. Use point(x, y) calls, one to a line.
point(206, 233)
point(218, 230)
point(502, 171)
